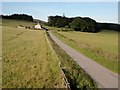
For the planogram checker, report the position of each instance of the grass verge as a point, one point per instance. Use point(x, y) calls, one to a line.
point(76, 76)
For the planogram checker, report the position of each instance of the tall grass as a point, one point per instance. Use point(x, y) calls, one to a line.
point(94, 46)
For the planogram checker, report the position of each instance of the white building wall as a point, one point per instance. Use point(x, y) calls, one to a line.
point(38, 26)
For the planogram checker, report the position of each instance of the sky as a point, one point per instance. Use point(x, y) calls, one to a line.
point(119, 12)
point(60, 0)
point(99, 11)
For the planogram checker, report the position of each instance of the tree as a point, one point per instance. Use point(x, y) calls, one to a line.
point(58, 21)
point(83, 24)
point(76, 24)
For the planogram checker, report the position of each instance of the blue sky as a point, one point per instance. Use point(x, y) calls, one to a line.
point(100, 11)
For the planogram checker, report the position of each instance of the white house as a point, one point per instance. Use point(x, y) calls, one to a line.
point(38, 26)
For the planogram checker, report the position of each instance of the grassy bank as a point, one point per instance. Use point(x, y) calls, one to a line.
point(76, 76)
point(27, 60)
point(101, 47)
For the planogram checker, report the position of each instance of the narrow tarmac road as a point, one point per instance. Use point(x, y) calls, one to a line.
point(102, 76)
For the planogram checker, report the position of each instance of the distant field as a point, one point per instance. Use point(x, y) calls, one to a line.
point(27, 62)
point(15, 23)
point(107, 40)
point(101, 47)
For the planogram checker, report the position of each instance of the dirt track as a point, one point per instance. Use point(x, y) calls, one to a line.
point(103, 77)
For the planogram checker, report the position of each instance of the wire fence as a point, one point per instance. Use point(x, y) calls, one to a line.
point(67, 84)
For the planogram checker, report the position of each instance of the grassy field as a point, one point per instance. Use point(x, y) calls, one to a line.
point(101, 47)
point(27, 60)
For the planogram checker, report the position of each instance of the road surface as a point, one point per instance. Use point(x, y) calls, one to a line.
point(102, 76)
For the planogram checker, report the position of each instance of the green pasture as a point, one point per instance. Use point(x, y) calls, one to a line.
point(101, 47)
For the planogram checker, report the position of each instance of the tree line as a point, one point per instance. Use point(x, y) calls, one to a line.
point(18, 17)
point(109, 26)
point(85, 24)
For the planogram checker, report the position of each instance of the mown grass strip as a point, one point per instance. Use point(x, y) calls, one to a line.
point(76, 76)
